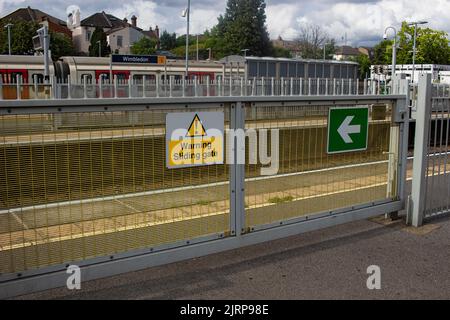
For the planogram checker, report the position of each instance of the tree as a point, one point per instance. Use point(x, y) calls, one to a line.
point(99, 35)
point(431, 47)
point(363, 65)
point(168, 40)
point(312, 39)
point(281, 52)
point(60, 45)
point(382, 53)
point(22, 33)
point(144, 46)
point(242, 27)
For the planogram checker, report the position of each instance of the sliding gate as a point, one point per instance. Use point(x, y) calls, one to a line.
point(86, 183)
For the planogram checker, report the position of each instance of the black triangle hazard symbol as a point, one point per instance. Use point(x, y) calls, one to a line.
point(196, 128)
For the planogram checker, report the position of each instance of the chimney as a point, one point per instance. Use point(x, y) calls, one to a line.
point(134, 21)
point(157, 31)
point(125, 20)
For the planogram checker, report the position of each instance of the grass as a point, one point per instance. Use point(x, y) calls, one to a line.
point(277, 200)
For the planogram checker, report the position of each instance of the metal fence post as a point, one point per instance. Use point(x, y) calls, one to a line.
point(237, 173)
point(1, 88)
point(423, 115)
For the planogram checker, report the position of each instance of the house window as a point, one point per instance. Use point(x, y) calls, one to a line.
point(119, 41)
point(88, 35)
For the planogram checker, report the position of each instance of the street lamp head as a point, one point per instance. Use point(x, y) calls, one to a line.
point(184, 13)
point(385, 36)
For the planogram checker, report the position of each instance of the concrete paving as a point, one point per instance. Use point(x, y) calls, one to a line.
point(326, 264)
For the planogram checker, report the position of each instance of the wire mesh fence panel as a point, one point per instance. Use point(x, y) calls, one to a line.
point(437, 175)
point(307, 179)
point(75, 186)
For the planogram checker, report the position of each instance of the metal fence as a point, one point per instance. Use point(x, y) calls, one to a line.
point(86, 183)
point(431, 182)
point(152, 88)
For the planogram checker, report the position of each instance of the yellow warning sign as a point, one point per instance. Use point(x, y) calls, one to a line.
point(196, 128)
point(200, 142)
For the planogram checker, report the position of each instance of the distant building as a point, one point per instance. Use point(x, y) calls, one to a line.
point(292, 46)
point(34, 15)
point(347, 52)
point(120, 33)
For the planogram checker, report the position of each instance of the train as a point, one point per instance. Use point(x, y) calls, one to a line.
point(30, 69)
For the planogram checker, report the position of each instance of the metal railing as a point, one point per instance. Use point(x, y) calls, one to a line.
point(86, 183)
point(431, 182)
point(152, 88)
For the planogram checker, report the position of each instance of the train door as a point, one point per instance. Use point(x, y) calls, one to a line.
point(9, 80)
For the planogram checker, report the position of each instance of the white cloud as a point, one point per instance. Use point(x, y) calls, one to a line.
point(362, 21)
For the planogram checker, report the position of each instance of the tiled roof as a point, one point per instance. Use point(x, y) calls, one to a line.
point(35, 15)
point(104, 20)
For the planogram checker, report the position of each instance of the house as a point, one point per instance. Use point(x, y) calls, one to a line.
point(345, 52)
point(120, 33)
point(34, 15)
point(292, 46)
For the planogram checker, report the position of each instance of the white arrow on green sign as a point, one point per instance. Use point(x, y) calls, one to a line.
point(347, 129)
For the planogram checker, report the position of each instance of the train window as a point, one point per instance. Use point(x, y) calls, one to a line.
point(311, 70)
point(319, 70)
point(271, 69)
point(138, 78)
point(121, 76)
point(252, 69)
point(344, 70)
point(300, 70)
point(14, 76)
point(283, 70)
point(262, 72)
point(336, 71)
point(326, 71)
point(86, 76)
point(178, 77)
point(37, 78)
point(292, 70)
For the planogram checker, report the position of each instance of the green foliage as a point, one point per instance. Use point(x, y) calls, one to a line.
point(364, 65)
point(382, 53)
point(203, 52)
point(61, 45)
point(22, 33)
point(168, 40)
point(181, 40)
point(281, 52)
point(330, 49)
point(144, 46)
point(242, 27)
point(99, 35)
point(432, 47)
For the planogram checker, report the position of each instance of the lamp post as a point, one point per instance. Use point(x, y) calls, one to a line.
point(186, 14)
point(209, 53)
point(8, 26)
point(394, 48)
point(415, 23)
point(45, 44)
point(245, 52)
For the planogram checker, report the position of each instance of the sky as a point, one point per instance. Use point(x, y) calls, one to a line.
point(361, 22)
